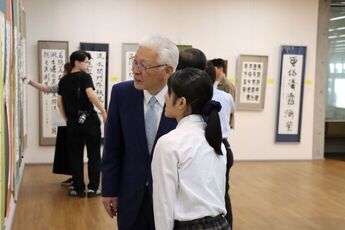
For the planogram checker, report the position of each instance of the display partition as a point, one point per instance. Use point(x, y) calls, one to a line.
point(2, 120)
point(12, 138)
point(23, 72)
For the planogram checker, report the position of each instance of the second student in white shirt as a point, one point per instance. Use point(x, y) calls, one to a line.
point(189, 163)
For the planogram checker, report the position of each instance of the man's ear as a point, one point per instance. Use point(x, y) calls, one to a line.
point(169, 70)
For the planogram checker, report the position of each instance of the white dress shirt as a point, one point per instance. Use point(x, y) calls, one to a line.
point(228, 107)
point(188, 176)
point(159, 106)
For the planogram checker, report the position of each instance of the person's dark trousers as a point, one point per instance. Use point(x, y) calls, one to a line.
point(88, 133)
point(145, 219)
point(230, 162)
point(76, 149)
point(92, 134)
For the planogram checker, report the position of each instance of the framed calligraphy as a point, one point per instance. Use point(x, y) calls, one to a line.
point(251, 82)
point(99, 72)
point(52, 55)
point(128, 52)
point(290, 102)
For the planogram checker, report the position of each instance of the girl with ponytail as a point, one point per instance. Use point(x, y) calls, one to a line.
point(189, 163)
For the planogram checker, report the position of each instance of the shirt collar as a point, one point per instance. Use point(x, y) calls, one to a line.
point(192, 118)
point(159, 96)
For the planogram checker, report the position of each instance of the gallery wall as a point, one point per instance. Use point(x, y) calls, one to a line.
point(221, 28)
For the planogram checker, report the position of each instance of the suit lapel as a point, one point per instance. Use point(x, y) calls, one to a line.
point(139, 123)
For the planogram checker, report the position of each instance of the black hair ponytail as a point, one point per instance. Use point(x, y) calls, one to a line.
point(196, 86)
point(213, 130)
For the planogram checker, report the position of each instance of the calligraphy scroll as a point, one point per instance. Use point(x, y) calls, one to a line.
point(99, 72)
point(52, 55)
point(251, 82)
point(291, 94)
point(128, 52)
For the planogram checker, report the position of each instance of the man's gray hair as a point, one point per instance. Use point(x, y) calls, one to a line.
point(167, 50)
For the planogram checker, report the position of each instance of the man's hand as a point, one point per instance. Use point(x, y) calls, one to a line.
point(104, 116)
point(110, 205)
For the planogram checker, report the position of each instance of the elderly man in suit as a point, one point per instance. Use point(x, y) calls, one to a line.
point(135, 121)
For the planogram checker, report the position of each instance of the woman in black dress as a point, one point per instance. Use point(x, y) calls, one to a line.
point(61, 158)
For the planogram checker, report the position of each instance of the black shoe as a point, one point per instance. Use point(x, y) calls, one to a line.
point(77, 194)
point(67, 182)
point(93, 193)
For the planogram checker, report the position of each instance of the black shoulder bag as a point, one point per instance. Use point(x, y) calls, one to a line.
point(82, 114)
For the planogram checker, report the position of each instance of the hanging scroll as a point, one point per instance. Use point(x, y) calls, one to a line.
point(52, 55)
point(291, 94)
point(128, 52)
point(99, 72)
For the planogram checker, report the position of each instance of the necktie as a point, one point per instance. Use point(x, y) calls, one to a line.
point(151, 123)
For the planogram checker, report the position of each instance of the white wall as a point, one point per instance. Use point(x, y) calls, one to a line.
point(221, 28)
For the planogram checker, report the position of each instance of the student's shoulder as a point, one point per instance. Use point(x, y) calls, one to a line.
point(169, 138)
point(167, 142)
point(223, 95)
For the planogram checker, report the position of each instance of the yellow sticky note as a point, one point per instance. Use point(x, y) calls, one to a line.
point(270, 81)
point(114, 79)
point(232, 80)
point(308, 82)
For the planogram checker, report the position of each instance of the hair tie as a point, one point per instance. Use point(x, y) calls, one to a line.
point(210, 106)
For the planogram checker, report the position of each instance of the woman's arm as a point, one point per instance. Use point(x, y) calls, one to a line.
point(41, 87)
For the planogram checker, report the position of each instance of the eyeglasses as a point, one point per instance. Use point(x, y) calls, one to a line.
point(142, 67)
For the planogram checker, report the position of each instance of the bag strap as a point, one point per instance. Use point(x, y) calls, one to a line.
point(78, 102)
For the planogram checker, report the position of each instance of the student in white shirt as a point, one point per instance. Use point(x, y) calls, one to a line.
point(189, 163)
point(193, 57)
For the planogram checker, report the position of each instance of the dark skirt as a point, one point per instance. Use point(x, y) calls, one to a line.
point(62, 159)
